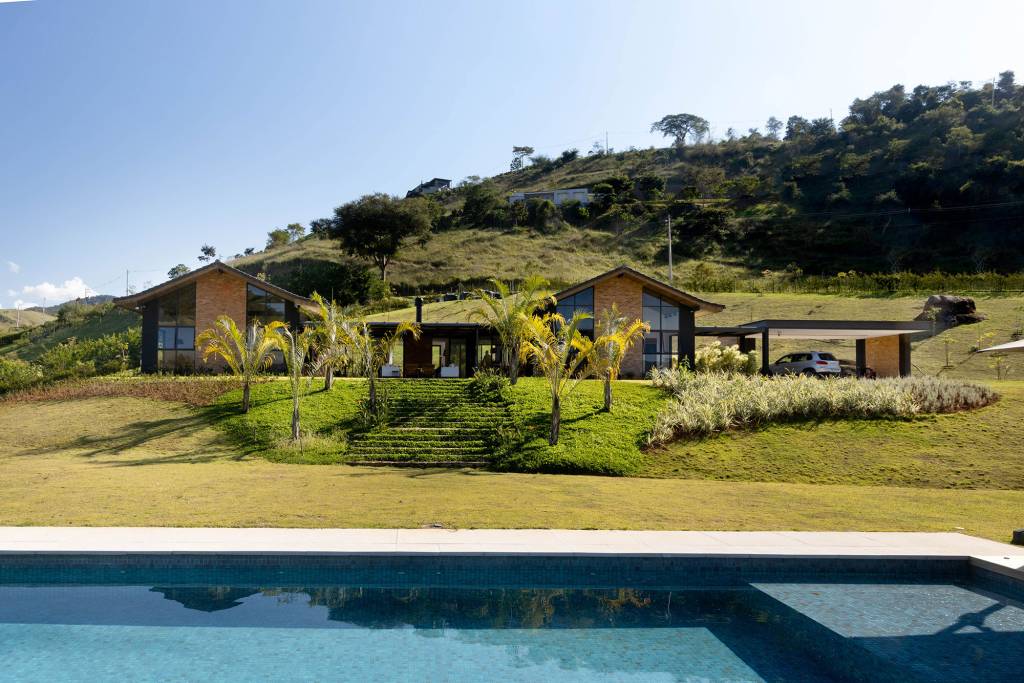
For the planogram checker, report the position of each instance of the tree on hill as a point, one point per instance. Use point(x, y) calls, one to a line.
point(682, 127)
point(774, 127)
point(278, 237)
point(519, 152)
point(177, 271)
point(295, 231)
point(376, 226)
point(207, 253)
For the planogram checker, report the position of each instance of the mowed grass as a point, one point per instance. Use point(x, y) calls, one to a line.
point(980, 449)
point(591, 440)
point(134, 461)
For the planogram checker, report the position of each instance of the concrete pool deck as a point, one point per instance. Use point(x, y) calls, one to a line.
point(1001, 557)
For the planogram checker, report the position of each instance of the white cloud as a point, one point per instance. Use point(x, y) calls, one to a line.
point(11, 292)
point(24, 304)
point(13, 267)
point(55, 294)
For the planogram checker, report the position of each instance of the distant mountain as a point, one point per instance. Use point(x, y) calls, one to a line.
point(87, 300)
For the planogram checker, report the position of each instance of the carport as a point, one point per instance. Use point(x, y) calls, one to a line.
point(883, 346)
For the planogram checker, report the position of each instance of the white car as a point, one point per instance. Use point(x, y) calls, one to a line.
point(810, 363)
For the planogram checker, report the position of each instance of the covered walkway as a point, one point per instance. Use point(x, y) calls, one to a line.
point(883, 346)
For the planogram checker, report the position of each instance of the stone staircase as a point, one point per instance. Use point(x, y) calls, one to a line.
point(432, 421)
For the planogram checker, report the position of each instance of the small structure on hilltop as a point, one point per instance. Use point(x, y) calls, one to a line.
point(430, 187)
point(557, 197)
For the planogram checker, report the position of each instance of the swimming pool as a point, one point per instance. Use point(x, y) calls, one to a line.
point(451, 618)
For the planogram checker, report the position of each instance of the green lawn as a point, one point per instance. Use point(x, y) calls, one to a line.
point(133, 461)
point(140, 461)
point(981, 449)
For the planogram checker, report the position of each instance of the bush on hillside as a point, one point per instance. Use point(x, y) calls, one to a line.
point(17, 375)
point(102, 356)
point(709, 403)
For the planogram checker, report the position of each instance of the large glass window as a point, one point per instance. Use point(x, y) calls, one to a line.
point(176, 333)
point(661, 344)
point(580, 302)
point(263, 306)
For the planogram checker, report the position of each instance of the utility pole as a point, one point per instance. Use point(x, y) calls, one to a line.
point(668, 221)
point(606, 142)
point(127, 287)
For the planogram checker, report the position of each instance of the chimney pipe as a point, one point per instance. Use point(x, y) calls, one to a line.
point(419, 309)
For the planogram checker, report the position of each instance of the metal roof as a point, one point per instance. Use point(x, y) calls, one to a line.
point(1008, 346)
point(836, 329)
point(132, 301)
point(700, 306)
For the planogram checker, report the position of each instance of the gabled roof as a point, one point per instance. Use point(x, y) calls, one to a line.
point(133, 301)
point(700, 306)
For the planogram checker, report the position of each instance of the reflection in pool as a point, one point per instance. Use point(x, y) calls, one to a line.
point(770, 631)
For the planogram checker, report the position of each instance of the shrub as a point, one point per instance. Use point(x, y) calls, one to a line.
point(16, 375)
point(490, 384)
point(726, 359)
point(934, 395)
point(709, 403)
point(101, 356)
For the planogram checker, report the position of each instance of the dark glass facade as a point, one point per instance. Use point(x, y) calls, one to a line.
point(176, 331)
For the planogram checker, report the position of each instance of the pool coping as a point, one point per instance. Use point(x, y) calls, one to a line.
point(998, 557)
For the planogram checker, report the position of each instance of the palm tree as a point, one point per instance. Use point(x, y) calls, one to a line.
point(246, 355)
point(561, 353)
point(297, 350)
point(369, 353)
point(617, 334)
point(506, 313)
point(333, 343)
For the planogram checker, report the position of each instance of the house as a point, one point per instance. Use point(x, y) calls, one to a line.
point(430, 187)
point(175, 312)
point(558, 197)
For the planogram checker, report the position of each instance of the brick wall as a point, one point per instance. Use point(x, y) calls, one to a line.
point(218, 294)
point(882, 354)
point(627, 294)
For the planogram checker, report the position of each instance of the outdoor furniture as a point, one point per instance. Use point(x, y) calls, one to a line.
point(390, 371)
point(449, 371)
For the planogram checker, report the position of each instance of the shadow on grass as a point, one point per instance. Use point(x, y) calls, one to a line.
point(142, 435)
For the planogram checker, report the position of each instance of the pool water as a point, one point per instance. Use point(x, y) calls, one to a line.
point(846, 628)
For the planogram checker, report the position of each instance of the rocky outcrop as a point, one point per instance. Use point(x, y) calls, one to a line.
point(949, 311)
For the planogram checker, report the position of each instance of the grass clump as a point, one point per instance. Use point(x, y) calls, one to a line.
point(709, 403)
point(934, 395)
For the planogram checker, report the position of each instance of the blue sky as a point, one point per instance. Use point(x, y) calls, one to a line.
point(133, 131)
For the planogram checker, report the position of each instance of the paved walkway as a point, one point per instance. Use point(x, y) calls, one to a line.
point(507, 542)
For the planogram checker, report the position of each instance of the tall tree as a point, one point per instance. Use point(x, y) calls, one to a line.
point(370, 353)
point(506, 314)
point(246, 355)
point(616, 336)
point(334, 337)
point(774, 128)
point(562, 354)
point(376, 226)
point(682, 127)
point(518, 153)
point(298, 350)
point(295, 231)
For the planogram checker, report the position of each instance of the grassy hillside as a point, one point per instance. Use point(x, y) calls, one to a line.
point(472, 256)
point(12, 320)
point(83, 322)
